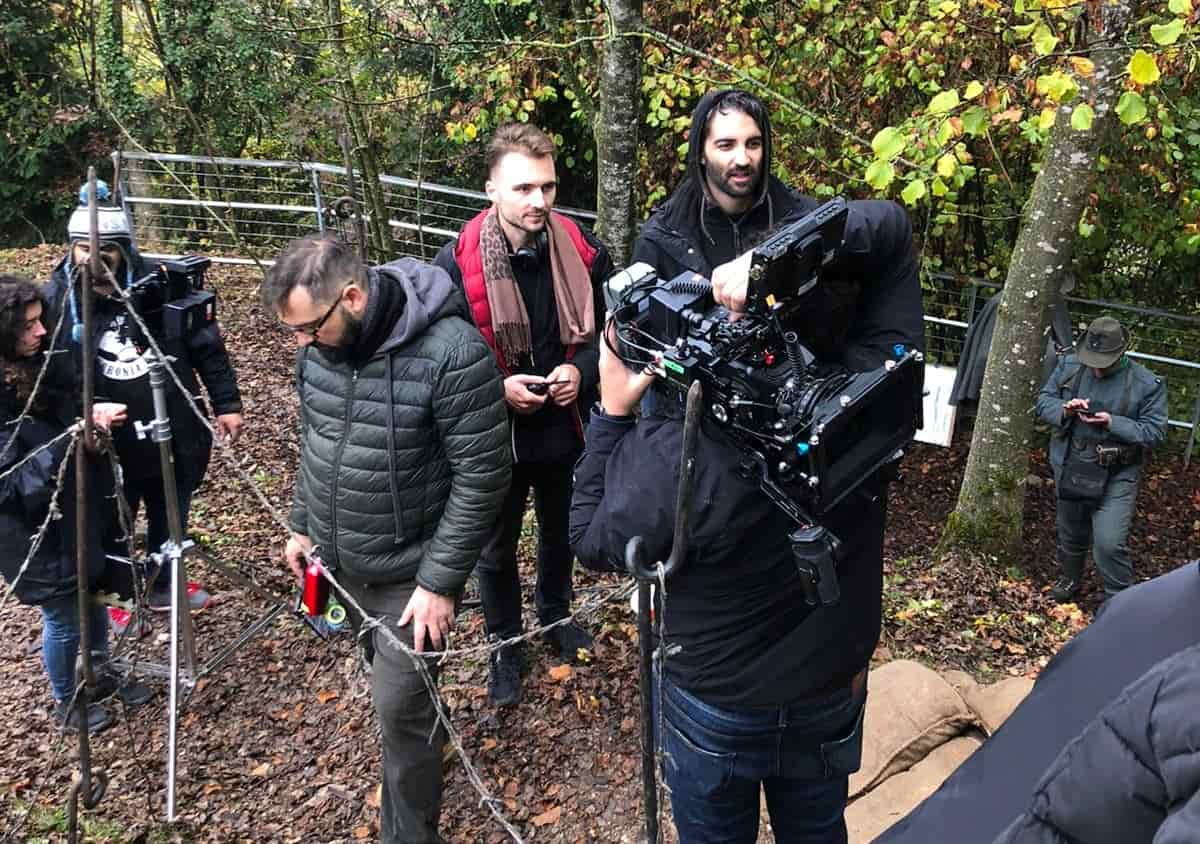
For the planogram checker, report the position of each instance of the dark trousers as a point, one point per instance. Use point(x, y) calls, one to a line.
point(412, 736)
point(716, 760)
point(499, 581)
point(1104, 525)
point(189, 472)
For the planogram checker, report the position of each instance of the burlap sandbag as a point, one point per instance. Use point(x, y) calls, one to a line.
point(993, 704)
point(910, 711)
point(871, 814)
point(960, 680)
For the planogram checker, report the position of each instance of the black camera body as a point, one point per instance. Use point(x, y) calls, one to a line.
point(811, 433)
point(172, 300)
point(819, 431)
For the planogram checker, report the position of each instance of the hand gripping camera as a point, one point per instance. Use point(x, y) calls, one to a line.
point(810, 433)
point(172, 299)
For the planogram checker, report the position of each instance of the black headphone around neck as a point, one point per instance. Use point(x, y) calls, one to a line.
point(536, 249)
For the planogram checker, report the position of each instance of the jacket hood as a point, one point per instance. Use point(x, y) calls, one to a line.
point(429, 295)
point(709, 104)
point(687, 206)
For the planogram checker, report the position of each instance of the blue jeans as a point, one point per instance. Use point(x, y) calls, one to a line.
point(60, 641)
point(801, 754)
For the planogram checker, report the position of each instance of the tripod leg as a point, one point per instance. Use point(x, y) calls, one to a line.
point(173, 684)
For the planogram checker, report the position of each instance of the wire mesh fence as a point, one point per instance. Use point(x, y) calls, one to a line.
point(237, 210)
point(241, 210)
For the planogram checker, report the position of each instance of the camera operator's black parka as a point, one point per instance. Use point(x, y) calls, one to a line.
point(1134, 772)
point(404, 456)
point(202, 351)
point(737, 609)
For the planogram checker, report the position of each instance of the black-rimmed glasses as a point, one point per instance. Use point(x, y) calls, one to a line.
point(312, 328)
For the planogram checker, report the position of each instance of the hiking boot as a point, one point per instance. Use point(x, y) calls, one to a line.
point(567, 640)
point(119, 620)
point(1065, 590)
point(504, 673)
point(66, 717)
point(160, 599)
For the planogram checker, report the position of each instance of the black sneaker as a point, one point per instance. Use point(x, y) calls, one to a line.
point(108, 683)
point(1065, 590)
point(504, 673)
point(567, 640)
point(66, 717)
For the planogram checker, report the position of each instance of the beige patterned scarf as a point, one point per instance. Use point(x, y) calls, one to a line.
point(572, 290)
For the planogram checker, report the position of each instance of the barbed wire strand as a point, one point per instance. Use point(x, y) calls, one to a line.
point(369, 622)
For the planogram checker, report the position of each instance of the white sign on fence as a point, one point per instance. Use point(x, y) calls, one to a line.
point(939, 413)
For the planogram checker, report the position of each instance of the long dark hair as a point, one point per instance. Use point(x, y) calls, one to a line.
point(16, 295)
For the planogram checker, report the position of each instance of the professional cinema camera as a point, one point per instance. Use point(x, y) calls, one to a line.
point(809, 433)
point(172, 299)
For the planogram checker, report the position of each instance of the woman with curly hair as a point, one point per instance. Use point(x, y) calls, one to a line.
point(36, 407)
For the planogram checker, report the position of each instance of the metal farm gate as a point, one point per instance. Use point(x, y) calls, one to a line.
point(243, 211)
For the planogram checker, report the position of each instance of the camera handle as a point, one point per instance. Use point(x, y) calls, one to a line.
point(815, 551)
point(814, 548)
point(635, 553)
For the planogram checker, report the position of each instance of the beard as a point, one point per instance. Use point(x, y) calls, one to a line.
point(348, 339)
point(722, 180)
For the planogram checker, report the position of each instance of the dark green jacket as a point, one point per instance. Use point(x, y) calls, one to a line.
point(1139, 420)
point(404, 458)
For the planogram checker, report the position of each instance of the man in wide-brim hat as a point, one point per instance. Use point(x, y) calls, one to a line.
point(1107, 412)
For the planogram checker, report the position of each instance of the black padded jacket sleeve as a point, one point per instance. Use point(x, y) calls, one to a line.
point(472, 423)
point(615, 497)
point(210, 359)
point(878, 248)
point(1133, 774)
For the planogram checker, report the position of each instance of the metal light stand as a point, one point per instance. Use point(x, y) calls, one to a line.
point(182, 678)
point(87, 786)
point(649, 621)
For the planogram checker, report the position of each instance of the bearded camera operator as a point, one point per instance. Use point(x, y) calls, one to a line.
point(760, 689)
point(123, 376)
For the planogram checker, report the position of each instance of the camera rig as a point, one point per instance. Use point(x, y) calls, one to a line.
point(810, 433)
point(172, 299)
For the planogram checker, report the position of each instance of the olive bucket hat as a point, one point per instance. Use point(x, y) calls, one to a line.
point(1103, 344)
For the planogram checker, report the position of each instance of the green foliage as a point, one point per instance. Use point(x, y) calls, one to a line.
point(47, 126)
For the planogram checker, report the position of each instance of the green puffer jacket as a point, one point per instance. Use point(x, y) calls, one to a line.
point(404, 458)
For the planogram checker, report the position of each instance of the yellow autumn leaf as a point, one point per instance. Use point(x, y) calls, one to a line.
point(1143, 69)
point(1084, 67)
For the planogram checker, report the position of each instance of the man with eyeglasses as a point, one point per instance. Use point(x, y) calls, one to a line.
point(404, 465)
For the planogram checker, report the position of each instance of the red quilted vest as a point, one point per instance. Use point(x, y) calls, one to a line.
point(470, 262)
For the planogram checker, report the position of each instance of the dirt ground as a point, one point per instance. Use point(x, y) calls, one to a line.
point(280, 744)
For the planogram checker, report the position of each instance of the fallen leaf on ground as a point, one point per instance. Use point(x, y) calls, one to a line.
point(548, 817)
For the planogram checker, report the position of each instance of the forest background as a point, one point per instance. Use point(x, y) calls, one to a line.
point(943, 105)
point(953, 108)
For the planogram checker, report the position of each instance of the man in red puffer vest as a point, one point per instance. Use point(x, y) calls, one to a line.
point(533, 280)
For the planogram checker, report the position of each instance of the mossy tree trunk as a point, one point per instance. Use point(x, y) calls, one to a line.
point(616, 130)
point(988, 516)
